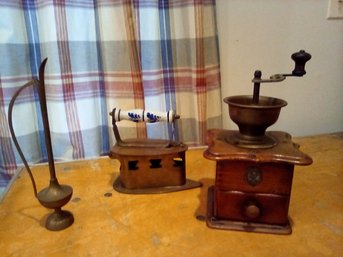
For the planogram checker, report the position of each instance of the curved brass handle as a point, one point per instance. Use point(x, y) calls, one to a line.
point(42, 100)
point(15, 141)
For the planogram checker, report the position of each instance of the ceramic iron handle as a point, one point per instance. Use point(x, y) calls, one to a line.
point(141, 115)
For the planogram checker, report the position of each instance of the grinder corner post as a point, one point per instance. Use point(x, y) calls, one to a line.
point(149, 166)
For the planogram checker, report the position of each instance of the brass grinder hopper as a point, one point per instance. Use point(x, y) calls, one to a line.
point(253, 114)
point(149, 166)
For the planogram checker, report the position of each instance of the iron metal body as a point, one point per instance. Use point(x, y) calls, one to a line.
point(149, 166)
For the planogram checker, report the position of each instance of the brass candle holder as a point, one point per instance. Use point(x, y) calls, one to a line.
point(55, 195)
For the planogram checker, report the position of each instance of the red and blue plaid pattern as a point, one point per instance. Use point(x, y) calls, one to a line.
point(151, 54)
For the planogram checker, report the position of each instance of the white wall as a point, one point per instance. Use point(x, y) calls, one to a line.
point(262, 35)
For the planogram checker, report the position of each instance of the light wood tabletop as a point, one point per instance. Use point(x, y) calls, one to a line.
point(108, 223)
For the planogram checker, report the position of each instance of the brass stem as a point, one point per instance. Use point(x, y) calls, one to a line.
point(44, 111)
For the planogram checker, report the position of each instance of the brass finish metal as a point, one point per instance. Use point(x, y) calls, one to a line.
point(254, 114)
point(253, 120)
point(55, 195)
point(254, 176)
point(300, 58)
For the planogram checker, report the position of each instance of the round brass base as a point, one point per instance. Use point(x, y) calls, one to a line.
point(252, 142)
point(59, 220)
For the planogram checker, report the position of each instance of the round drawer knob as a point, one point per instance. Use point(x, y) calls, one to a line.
point(252, 211)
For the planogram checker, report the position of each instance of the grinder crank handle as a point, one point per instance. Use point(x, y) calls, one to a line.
point(300, 58)
point(141, 115)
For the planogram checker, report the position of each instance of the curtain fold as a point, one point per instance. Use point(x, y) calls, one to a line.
point(157, 55)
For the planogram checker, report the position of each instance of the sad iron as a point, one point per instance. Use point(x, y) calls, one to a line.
point(149, 166)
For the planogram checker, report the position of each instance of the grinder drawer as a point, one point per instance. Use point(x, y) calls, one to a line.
point(240, 206)
point(275, 178)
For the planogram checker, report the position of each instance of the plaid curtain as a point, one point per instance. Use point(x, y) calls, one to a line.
point(157, 55)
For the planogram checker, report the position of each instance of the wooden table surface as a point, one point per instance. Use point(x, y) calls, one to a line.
point(108, 223)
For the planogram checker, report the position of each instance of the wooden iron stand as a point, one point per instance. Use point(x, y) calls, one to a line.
point(252, 186)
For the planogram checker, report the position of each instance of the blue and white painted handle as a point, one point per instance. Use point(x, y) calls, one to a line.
point(141, 115)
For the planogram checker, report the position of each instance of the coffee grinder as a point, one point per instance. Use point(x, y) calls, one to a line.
point(254, 167)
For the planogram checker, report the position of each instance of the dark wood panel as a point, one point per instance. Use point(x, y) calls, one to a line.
point(265, 208)
point(274, 178)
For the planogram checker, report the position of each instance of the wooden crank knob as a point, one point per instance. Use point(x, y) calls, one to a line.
point(251, 210)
